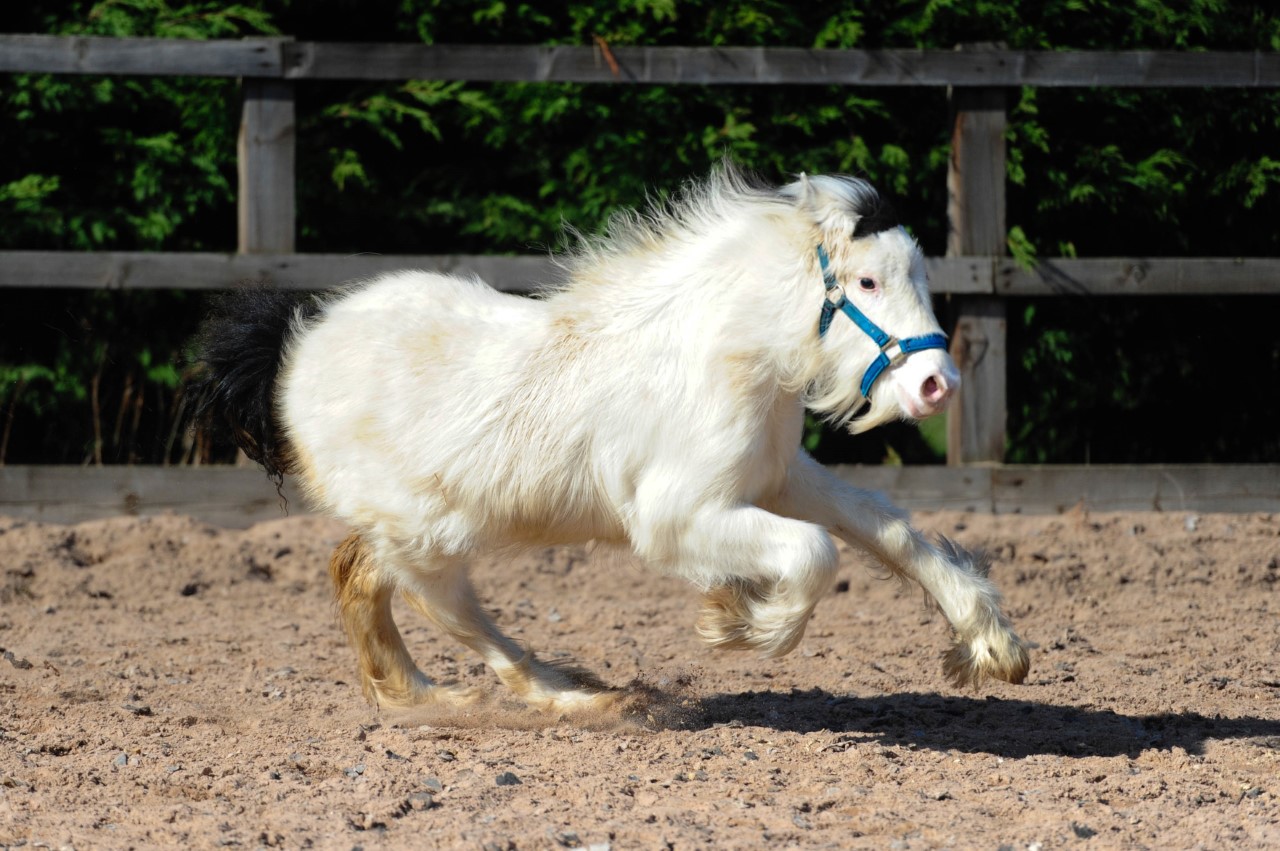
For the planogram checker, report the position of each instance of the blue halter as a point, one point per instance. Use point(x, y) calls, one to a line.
point(836, 300)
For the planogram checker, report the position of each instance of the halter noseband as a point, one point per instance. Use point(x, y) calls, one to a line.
point(892, 350)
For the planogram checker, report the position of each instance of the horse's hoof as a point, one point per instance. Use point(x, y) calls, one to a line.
point(423, 693)
point(452, 694)
point(724, 622)
point(577, 701)
point(740, 616)
point(998, 654)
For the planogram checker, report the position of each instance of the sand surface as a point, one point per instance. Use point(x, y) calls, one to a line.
point(166, 683)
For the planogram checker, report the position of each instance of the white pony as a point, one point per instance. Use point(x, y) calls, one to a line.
point(656, 401)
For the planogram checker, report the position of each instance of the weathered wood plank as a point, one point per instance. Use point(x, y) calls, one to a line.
point(976, 421)
point(1141, 276)
point(1208, 488)
point(204, 271)
point(265, 148)
point(924, 488)
point(53, 54)
point(1154, 69)
point(777, 65)
point(978, 416)
point(976, 174)
point(234, 496)
point(209, 271)
point(622, 64)
point(947, 275)
point(699, 65)
point(229, 496)
point(959, 275)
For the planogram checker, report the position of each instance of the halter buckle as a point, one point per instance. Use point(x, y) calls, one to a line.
point(902, 354)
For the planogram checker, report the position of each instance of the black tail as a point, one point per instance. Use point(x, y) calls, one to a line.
point(238, 354)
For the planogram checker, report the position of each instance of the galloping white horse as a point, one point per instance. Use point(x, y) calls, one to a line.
point(655, 400)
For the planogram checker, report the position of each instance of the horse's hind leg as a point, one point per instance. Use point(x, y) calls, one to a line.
point(388, 675)
point(443, 592)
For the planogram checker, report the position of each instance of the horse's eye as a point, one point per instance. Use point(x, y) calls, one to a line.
point(867, 285)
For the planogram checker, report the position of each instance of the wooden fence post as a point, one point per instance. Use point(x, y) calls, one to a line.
point(266, 198)
point(976, 212)
point(266, 192)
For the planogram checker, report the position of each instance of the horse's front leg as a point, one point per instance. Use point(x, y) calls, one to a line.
point(986, 644)
point(763, 573)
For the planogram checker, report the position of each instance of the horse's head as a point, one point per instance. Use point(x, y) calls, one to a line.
point(879, 342)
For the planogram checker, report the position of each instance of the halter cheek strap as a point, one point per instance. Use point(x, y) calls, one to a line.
point(892, 350)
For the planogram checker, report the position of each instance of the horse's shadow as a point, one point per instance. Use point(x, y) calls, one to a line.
point(1006, 728)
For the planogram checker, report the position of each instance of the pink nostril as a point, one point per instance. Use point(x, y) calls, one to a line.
point(934, 391)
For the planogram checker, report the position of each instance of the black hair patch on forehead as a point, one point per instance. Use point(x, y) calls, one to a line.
point(875, 214)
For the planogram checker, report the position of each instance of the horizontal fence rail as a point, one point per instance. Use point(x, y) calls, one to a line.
point(1140, 276)
point(142, 270)
point(287, 59)
point(54, 54)
point(240, 496)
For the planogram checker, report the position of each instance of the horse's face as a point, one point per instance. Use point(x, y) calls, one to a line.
point(882, 275)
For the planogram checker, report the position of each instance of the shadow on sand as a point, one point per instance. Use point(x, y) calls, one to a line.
point(1006, 728)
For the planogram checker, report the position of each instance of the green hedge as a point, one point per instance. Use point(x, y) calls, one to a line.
point(139, 163)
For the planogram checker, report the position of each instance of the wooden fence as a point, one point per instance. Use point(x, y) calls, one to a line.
point(974, 270)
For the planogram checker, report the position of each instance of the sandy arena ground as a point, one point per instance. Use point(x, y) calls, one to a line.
point(167, 683)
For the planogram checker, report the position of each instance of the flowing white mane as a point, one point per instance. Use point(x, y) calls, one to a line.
point(688, 217)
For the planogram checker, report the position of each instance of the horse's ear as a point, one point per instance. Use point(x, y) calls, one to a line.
point(805, 191)
point(810, 200)
point(805, 194)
